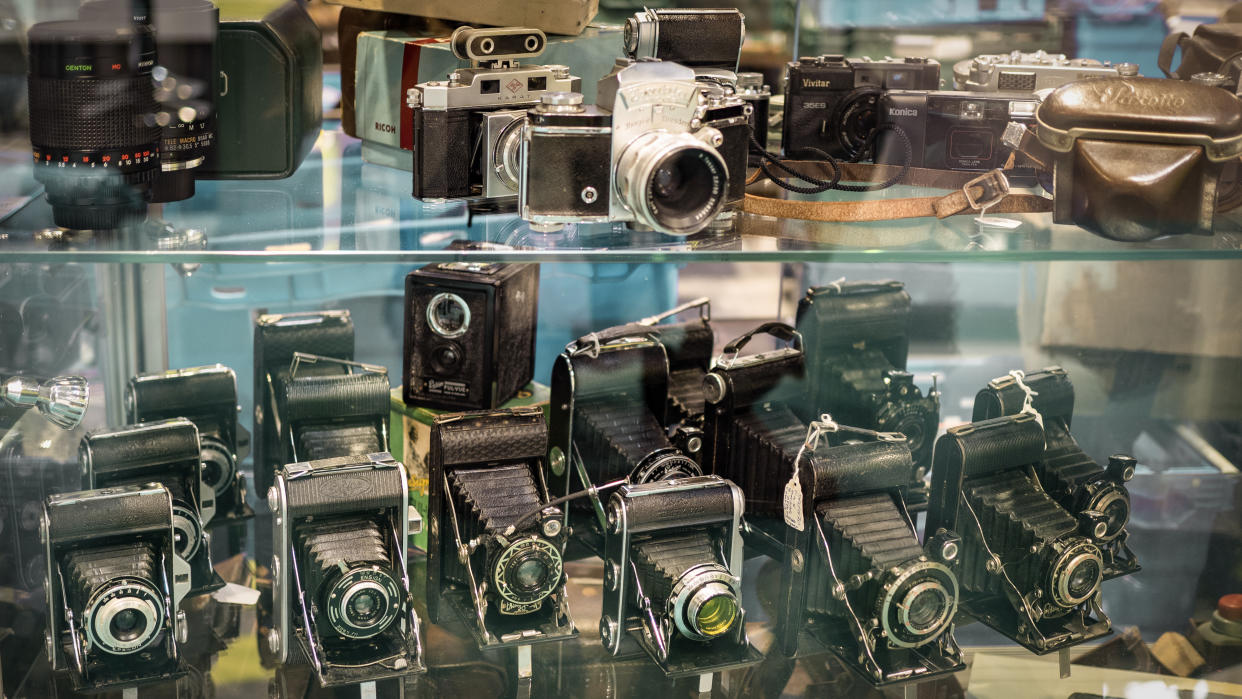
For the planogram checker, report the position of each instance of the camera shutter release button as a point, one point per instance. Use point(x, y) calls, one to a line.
point(1230, 607)
point(561, 98)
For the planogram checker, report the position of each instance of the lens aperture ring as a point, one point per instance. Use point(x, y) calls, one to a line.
point(363, 602)
point(917, 604)
point(1075, 575)
point(124, 617)
point(525, 573)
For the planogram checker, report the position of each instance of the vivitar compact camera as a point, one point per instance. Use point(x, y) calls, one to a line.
point(114, 583)
point(856, 351)
point(1030, 72)
point(694, 37)
point(469, 334)
point(672, 574)
point(608, 422)
point(207, 396)
point(1072, 478)
point(340, 584)
point(1029, 569)
point(468, 129)
point(831, 101)
point(495, 551)
point(311, 400)
point(164, 452)
point(855, 578)
point(950, 130)
point(655, 151)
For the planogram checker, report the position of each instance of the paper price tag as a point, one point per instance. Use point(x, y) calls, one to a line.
point(793, 503)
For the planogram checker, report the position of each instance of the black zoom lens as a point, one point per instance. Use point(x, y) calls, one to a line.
point(92, 120)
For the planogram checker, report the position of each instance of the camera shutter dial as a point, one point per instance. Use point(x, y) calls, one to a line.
point(1076, 574)
point(525, 573)
point(918, 604)
point(125, 618)
point(364, 602)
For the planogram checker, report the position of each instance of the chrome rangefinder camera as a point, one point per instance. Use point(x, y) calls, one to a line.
point(651, 152)
point(1030, 72)
point(467, 129)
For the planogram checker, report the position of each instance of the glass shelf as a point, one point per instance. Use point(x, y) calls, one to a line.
point(338, 208)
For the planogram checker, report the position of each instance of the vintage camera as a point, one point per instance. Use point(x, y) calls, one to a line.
point(855, 578)
point(207, 396)
point(340, 583)
point(164, 452)
point(672, 574)
point(481, 108)
point(951, 130)
point(1029, 569)
point(651, 152)
point(1072, 478)
point(114, 584)
point(750, 87)
point(856, 349)
point(1030, 72)
point(688, 345)
point(831, 102)
point(495, 545)
point(311, 400)
point(694, 37)
point(469, 334)
point(608, 421)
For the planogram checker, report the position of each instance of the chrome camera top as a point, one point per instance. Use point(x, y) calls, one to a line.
point(1030, 72)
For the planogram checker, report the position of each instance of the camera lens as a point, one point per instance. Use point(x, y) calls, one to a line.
point(1083, 578)
point(507, 154)
point(363, 602)
point(917, 603)
point(92, 123)
point(1076, 574)
point(704, 602)
point(125, 618)
point(1114, 503)
point(127, 625)
point(218, 467)
point(526, 572)
point(187, 531)
point(673, 183)
point(715, 616)
point(448, 315)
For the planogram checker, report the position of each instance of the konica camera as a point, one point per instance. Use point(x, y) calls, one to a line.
point(709, 38)
point(855, 578)
point(1030, 72)
point(832, 102)
point(207, 396)
point(468, 129)
point(672, 574)
point(495, 546)
point(659, 150)
point(1072, 478)
point(164, 452)
point(1029, 569)
point(114, 583)
point(856, 351)
point(608, 422)
point(950, 130)
point(340, 583)
point(469, 334)
point(311, 400)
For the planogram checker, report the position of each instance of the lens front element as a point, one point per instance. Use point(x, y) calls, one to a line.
point(704, 602)
point(673, 183)
point(363, 602)
point(125, 617)
point(917, 603)
point(525, 573)
point(1076, 574)
point(448, 315)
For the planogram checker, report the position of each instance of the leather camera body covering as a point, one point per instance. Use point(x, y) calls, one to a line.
point(1138, 158)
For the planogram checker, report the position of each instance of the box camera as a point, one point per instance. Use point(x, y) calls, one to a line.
point(1029, 569)
point(165, 452)
point(694, 37)
point(207, 396)
point(1030, 72)
point(608, 421)
point(481, 108)
point(311, 401)
point(856, 350)
point(831, 102)
point(1072, 478)
point(469, 334)
point(340, 584)
point(495, 546)
point(659, 150)
point(114, 583)
point(672, 574)
point(950, 130)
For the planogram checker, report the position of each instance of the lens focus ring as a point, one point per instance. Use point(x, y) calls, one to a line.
point(124, 618)
point(363, 602)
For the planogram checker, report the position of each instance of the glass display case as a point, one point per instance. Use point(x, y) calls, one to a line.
point(982, 455)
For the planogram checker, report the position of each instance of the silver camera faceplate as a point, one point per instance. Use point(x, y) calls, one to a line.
point(1030, 72)
point(513, 87)
point(497, 126)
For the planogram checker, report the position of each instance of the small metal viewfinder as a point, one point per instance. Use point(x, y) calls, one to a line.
point(493, 46)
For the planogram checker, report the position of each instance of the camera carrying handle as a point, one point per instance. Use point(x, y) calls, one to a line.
point(781, 331)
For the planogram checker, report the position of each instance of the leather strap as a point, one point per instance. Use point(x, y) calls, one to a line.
point(955, 202)
point(1164, 60)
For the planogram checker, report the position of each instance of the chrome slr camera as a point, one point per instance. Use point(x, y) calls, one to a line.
point(165, 452)
point(659, 150)
point(311, 400)
point(672, 575)
point(207, 396)
point(113, 583)
point(950, 130)
point(1031, 72)
point(855, 578)
point(468, 129)
point(340, 584)
point(1029, 569)
point(856, 349)
point(831, 102)
point(495, 551)
point(1072, 478)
